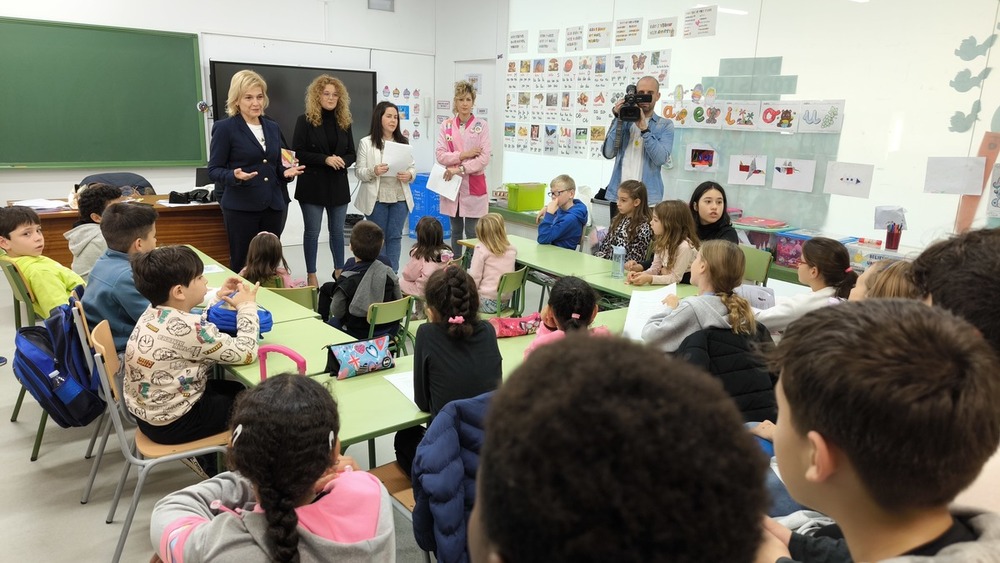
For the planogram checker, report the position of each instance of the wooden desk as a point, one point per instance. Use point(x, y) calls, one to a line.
point(197, 225)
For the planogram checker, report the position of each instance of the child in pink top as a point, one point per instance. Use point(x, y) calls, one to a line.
point(291, 493)
point(266, 262)
point(429, 255)
point(572, 306)
point(493, 257)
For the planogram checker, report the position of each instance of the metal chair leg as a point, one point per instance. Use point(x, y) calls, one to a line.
point(39, 434)
point(371, 453)
point(118, 490)
point(17, 405)
point(97, 462)
point(97, 432)
point(131, 513)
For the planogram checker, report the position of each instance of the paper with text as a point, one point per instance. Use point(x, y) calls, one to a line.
point(642, 306)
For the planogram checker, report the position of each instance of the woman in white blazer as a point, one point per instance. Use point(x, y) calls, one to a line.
point(385, 200)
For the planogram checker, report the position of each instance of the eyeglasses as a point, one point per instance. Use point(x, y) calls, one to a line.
point(330, 95)
point(557, 194)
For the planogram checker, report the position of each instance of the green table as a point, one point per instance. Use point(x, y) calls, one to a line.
point(308, 337)
point(282, 309)
point(604, 283)
point(552, 259)
point(783, 273)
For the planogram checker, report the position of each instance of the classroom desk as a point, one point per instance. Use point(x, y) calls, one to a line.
point(198, 225)
point(604, 283)
point(552, 259)
point(282, 309)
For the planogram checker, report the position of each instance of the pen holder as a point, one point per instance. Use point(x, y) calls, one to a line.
point(892, 239)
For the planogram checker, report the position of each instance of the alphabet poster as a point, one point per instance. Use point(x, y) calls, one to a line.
point(993, 194)
point(846, 178)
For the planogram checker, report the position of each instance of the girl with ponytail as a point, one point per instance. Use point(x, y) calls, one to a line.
point(717, 271)
point(825, 267)
point(290, 498)
point(572, 307)
point(455, 355)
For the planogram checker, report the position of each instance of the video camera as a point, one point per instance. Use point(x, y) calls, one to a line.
point(630, 110)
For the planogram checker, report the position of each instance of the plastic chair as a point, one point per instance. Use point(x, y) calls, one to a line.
point(140, 451)
point(512, 284)
point(23, 296)
point(390, 312)
point(307, 296)
point(758, 262)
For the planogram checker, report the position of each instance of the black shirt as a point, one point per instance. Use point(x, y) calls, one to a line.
point(447, 369)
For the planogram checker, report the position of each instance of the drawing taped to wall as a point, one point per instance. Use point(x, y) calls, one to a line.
point(793, 174)
point(850, 179)
point(747, 169)
point(701, 157)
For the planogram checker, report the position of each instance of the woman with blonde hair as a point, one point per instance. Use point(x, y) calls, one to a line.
point(324, 142)
point(245, 160)
point(463, 147)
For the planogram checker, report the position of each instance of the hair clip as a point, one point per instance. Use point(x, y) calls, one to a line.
point(236, 433)
point(332, 439)
point(456, 320)
point(848, 270)
point(575, 316)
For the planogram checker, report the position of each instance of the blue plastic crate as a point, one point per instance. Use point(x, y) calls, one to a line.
point(426, 202)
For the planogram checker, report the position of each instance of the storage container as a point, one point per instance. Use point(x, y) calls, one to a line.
point(526, 196)
point(426, 202)
point(789, 247)
point(862, 257)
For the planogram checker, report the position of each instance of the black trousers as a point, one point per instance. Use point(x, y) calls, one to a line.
point(242, 226)
point(406, 443)
point(208, 415)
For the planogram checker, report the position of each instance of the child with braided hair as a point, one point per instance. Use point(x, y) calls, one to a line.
point(290, 498)
point(717, 271)
point(572, 307)
point(455, 355)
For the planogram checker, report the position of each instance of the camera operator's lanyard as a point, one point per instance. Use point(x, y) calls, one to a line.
point(632, 161)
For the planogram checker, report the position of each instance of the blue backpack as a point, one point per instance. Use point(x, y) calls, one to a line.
point(51, 363)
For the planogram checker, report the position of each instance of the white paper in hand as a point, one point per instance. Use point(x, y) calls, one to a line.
point(445, 188)
point(398, 156)
point(642, 306)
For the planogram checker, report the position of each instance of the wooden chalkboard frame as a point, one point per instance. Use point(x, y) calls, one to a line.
point(86, 96)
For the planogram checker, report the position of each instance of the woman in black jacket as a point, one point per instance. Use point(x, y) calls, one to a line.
point(324, 143)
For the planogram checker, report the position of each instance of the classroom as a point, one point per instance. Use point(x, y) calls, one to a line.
point(912, 104)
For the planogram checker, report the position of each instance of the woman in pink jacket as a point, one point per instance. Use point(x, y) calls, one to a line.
point(463, 147)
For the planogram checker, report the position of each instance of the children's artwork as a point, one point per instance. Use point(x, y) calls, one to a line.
point(662, 27)
point(993, 203)
point(850, 179)
point(793, 174)
point(748, 169)
point(955, 175)
point(779, 117)
point(824, 116)
point(740, 115)
point(700, 22)
point(701, 157)
point(404, 112)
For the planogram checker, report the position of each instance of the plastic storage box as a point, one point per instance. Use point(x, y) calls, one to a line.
point(789, 247)
point(426, 202)
point(526, 197)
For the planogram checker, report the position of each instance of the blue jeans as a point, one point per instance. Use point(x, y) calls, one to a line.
point(782, 503)
point(390, 218)
point(312, 217)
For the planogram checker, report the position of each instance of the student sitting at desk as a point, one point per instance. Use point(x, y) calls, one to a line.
point(630, 227)
point(561, 222)
point(674, 247)
point(455, 355)
point(572, 308)
point(493, 257)
point(129, 230)
point(21, 238)
point(366, 281)
point(85, 239)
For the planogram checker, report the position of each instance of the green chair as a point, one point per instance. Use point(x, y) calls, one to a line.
point(512, 284)
point(307, 296)
point(23, 296)
point(389, 312)
point(758, 262)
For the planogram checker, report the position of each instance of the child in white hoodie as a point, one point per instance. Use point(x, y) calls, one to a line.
point(290, 493)
point(826, 268)
point(717, 271)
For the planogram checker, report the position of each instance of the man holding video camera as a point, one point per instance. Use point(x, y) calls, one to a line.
point(639, 140)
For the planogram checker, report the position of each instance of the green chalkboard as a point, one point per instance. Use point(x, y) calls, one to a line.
point(80, 96)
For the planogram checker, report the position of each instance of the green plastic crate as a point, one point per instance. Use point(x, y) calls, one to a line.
point(526, 196)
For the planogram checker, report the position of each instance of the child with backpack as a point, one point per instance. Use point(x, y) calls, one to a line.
point(266, 263)
point(290, 495)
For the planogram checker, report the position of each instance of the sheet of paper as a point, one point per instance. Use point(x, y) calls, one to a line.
point(168, 204)
point(42, 203)
point(793, 174)
point(445, 188)
point(847, 178)
point(642, 306)
point(404, 382)
point(213, 269)
point(955, 175)
point(748, 169)
point(398, 156)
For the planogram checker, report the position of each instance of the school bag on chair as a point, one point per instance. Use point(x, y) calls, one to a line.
point(51, 362)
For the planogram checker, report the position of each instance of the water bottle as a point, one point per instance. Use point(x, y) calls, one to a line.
point(618, 262)
point(56, 380)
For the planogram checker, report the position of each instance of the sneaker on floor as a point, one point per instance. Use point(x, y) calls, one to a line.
point(193, 464)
